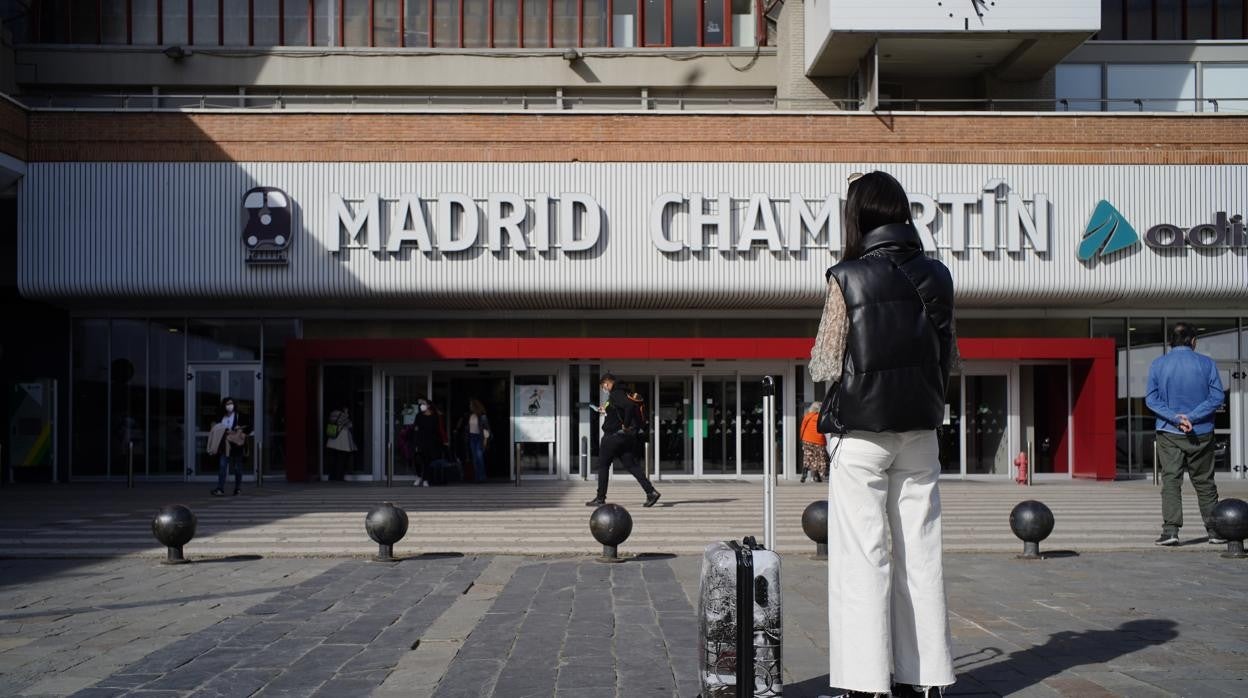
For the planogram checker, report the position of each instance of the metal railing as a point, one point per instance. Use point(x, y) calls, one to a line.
point(1076, 104)
point(558, 101)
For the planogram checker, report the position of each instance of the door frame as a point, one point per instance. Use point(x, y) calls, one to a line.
point(1009, 369)
point(192, 432)
point(1237, 403)
point(656, 370)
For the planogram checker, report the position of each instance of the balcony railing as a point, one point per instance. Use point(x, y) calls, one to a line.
point(559, 100)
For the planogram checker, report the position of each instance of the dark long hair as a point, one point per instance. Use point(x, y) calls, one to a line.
point(873, 200)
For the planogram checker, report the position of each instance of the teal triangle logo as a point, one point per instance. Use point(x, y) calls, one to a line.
point(1107, 233)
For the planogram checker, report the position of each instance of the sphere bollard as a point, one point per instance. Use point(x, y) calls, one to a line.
point(1230, 521)
point(815, 526)
point(611, 525)
point(1032, 522)
point(174, 527)
point(386, 525)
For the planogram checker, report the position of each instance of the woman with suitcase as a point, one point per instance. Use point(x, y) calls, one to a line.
point(885, 344)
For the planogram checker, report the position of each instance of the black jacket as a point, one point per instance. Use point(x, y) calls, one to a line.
point(622, 412)
point(900, 343)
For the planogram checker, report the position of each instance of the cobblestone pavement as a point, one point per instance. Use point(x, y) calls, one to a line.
point(1156, 623)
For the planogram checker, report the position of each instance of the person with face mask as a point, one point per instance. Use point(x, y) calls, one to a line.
point(340, 443)
point(430, 439)
point(230, 447)
point(621, 422)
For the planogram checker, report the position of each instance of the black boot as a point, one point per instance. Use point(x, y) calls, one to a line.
point(804, 474)
point(596, 502)
point(652, 498)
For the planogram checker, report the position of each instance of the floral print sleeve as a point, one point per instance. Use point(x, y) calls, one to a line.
point(829, 350)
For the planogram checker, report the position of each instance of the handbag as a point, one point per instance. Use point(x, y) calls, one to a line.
point(829, 419)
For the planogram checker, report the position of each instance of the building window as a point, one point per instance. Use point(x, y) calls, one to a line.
point(536, 31)
point(507, 23)
point(1225, 83)
point(1111, 20)
point(355, 21)
point(476, 23)
point(416, 24)
point(266, 23)
point(567, 29)
point(624, 23)
point(398, 23)
point(1230, 20)
point(1079, 85)
point(174, 23)
point(1157, 87)
point(445, 23)
point(113, 22)
point(656, 17)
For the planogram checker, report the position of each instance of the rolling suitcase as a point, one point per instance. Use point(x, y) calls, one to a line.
point(739, 621)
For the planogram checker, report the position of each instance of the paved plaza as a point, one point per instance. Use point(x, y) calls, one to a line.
point(259, 620)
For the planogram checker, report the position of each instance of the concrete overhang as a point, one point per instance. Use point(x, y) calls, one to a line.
point(1010, 57)
point(930, 39)
point(11, 170)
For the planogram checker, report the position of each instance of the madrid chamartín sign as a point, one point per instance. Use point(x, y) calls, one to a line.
point(993, 220)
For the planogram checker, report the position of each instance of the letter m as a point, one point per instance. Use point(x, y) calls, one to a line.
point(365, 220)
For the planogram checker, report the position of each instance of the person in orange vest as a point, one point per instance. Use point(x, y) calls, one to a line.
point(814, 445)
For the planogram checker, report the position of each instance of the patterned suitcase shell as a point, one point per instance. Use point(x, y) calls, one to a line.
point(719, 630)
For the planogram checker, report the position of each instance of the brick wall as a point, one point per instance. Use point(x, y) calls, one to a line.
point(13, 129)
point(771, 137)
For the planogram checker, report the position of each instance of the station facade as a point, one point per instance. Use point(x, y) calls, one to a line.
point(198, 214)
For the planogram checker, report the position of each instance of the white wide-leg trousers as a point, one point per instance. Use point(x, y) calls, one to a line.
point(887, 618)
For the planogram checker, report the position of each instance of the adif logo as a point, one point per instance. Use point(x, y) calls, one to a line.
point(1107, 232)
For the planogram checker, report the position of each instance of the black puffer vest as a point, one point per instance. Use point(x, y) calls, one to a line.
point(898, 352)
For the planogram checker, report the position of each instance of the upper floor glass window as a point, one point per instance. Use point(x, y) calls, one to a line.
point(1173, 20)
point(398, 23)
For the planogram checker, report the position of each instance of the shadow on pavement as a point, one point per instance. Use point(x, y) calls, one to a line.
point(1023, 669)
point(668, 505)
point(228, 558)
point(175, 601)
point(1065, 650)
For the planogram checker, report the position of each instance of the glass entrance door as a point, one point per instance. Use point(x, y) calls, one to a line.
point(719, 426)
point(402, 392)
point(210, 384)
point(986, 416)
point(1228, 423)
point(674, 425)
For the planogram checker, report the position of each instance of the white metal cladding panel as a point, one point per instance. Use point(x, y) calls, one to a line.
point(173, 231)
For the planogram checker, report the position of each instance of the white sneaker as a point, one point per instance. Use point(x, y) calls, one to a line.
point(418, 482)
point(424, 483)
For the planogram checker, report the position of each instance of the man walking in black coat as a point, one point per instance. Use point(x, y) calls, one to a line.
point(622, 420)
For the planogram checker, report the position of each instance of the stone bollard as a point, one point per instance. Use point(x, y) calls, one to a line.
point(1230, 521)
point(1032, 522)
point(386, 525)
point(611, 525)
point(815, 526)
point(174, 527)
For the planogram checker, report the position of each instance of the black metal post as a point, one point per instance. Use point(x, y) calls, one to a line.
point(130, 466)
point(518, 468)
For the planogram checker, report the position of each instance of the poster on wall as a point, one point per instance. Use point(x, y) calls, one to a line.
point(533, 407)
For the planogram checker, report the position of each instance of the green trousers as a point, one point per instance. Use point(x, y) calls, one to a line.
point(1177, 454)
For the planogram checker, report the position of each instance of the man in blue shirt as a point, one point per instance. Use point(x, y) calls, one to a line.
point(1184, 390)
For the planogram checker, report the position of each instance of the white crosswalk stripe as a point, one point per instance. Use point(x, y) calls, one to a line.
point(549, 518)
